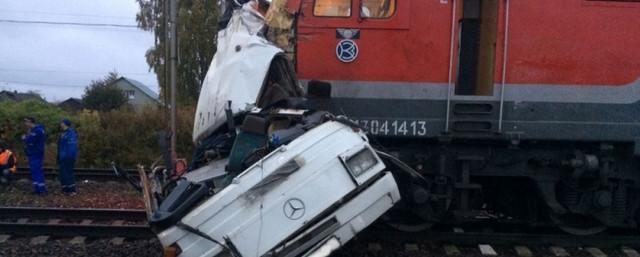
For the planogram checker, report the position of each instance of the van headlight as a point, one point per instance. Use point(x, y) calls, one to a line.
point(361, 162)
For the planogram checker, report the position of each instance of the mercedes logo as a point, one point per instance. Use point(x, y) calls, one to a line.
point(293, 209)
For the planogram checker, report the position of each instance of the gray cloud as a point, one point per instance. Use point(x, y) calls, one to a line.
point(60, 60)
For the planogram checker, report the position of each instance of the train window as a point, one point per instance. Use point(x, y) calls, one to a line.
point(377, 9)
point(332, 8)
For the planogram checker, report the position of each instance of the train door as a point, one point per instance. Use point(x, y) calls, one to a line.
point(477, 47)
point(477, 32)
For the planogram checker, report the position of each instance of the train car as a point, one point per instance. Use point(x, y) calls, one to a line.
point(514, 109)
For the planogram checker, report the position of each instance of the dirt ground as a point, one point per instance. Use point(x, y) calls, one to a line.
point(91, 194)
point(99, 247)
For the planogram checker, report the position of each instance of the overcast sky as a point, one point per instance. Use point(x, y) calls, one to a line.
point(58, 61)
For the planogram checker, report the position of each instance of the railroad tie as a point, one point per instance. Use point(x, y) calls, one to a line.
point(630, 252)
point(39, 240)
point(595, 252)
point(118, 223)
point(523, 251)
point(452, 250)
point(487, 250)
point(558, 251)
point(54, 221)
point(117, 241)
point(4, 238)
point(78, 240)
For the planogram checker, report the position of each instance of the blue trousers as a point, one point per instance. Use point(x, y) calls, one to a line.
point(67, 179)
point(37, 175)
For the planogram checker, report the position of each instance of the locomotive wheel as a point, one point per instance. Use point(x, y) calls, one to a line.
point(577, 224)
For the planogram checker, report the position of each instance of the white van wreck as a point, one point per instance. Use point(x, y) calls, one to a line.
point(288, 180)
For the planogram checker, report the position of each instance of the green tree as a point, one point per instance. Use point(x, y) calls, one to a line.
point(12, 127)
point(103, 95)
point(197, 35)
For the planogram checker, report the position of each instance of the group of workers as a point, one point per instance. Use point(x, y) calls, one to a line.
point(34, 146)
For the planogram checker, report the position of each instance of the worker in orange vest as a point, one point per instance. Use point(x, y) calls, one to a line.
point(7, 164)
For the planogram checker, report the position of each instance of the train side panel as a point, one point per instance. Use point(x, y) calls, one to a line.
point(576, 42)
point(573, 42)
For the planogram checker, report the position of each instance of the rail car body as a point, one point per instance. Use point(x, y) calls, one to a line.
point(526, 109)
point(558, 63)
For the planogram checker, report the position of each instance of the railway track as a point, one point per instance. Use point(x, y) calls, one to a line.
point(81, 173)
point(381, 248)
point(62, 222)
point(457, 242)
point(42, 223)
point(501, 238)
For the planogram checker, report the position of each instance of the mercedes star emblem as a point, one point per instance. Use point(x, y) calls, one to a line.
point(293, 209)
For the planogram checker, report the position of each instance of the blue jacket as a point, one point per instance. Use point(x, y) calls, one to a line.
point(34, 142)
point(68, 145)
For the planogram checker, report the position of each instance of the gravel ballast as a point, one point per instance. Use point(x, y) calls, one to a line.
point(91, 194)
point(63, 247)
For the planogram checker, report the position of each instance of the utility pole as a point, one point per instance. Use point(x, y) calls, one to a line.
point(172, 60)
point(165, 66)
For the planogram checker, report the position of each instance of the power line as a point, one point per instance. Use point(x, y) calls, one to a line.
point(42, 84)
point(69, 14)
point(69, 71)
point(51, 84)
point(69, 23)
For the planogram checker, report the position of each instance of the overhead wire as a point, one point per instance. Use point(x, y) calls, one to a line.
point(50, 84)
point(70, 71)
point(69, 23)
point(68, 14)
point(42, 84)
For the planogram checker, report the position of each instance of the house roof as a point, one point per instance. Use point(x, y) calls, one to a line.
point(140, 86)
point(71, 100)
point(71, 104)
point(17, 96)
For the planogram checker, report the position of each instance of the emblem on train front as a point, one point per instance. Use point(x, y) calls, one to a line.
point(293, 209)
point(347, 50)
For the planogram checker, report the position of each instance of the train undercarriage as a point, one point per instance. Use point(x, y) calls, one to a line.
point(582, 189)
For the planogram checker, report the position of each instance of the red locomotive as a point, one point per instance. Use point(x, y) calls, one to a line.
point(522, 109)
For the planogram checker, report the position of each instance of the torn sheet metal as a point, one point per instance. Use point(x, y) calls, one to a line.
point(237, 71)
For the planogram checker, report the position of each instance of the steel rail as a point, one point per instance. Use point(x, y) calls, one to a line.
point(72, 213)
point(97, 170)
point(82, 173)
point(503, 238)
point(70, 230)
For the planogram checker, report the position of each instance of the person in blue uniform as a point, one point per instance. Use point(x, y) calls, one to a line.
point(67, 154)
point(34, 142)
